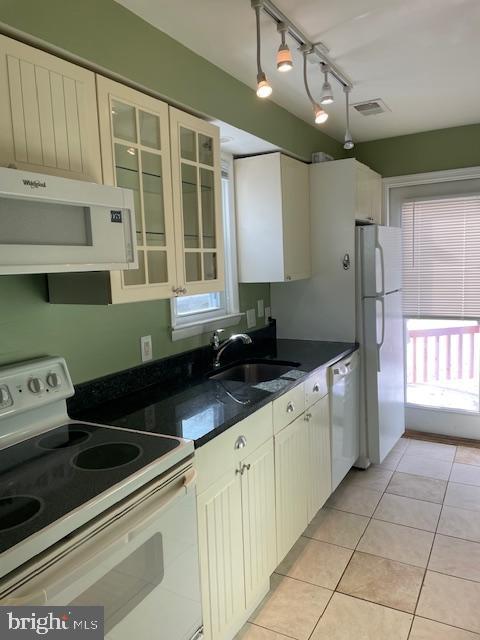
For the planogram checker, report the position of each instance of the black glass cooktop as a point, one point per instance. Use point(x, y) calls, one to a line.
point(46, 477)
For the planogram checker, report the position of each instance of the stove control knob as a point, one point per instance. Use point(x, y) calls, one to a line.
point(36, 385)
point(53, 380)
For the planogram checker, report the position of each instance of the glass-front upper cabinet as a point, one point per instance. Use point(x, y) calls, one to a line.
point(135, 142)
point(196, 179)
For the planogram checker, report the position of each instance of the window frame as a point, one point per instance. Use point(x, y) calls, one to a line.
point(228, 313)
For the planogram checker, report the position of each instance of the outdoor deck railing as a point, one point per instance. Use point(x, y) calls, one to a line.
point(442, 353)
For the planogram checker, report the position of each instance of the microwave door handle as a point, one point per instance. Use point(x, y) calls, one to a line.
point(36, 598)
point(382, 339)
point(108, 540)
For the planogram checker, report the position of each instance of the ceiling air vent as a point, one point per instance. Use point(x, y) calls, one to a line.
point(371, 107)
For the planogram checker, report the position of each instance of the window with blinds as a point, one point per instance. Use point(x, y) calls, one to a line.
point(441, 257)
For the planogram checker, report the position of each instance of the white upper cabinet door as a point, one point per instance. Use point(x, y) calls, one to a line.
point(135, 142)
point(273, 218)
point(319, 458)
point(48, 114)
point(258, 507)
point(369, 194)
point(196, 180)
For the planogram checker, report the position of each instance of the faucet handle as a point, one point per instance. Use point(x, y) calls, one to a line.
point(215, 339)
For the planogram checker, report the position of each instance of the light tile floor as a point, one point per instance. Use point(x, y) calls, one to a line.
point(393, 555)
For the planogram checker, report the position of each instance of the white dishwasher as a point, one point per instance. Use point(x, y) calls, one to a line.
point(343, 381)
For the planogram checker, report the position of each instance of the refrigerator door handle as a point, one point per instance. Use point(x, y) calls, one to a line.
point(382, 267)
point(382, 339)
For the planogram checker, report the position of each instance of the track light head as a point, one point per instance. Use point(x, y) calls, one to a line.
point(264, 89)
point(284, 55)
point(321, 115)
point(327, 93)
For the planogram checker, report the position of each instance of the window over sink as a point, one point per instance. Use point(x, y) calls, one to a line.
point(205, 312)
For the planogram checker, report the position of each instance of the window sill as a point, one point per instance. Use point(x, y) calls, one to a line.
point(205, 326)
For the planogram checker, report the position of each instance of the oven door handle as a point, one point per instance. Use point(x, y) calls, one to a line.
point(114, 536)
point(188, 482)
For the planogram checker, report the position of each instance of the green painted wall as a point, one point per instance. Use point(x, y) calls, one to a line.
point(94, 340)
point(437, 150)
point(100, 340)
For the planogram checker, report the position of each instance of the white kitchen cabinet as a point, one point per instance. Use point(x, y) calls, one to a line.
point(368, 204)
point(291, 484)
point(236, 522)
point(258, 519)
point(197, 205)
point(273, 218)
point(48, 114)
point(330, 292)
point(220, 540)
point(319, 456)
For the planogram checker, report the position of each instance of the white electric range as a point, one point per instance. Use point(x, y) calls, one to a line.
point(92, 514)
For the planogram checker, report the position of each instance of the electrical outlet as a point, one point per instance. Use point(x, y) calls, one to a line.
point(268, 313)
point(146, 348)
point(251, 319)
point(260, 308)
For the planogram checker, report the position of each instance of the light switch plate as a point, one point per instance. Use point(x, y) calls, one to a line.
point(260, 308)
point(146, 348)
point(251, 319)
point(268, 313)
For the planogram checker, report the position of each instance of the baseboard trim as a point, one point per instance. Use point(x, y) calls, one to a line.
point(436, 437)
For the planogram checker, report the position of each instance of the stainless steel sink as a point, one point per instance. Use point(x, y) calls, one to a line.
point(254, 371)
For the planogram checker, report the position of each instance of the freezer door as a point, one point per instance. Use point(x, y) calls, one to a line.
point(384, 377)
point(381, 259)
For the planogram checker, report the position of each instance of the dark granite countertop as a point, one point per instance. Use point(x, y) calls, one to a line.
point(195, 407)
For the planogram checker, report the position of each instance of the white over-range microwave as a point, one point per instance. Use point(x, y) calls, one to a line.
point(50, 224)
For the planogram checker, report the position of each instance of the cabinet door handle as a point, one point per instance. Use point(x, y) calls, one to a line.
point(241, 442)
point(246, 467)
point(290, 407)
point(308, 417)
point(316, 388)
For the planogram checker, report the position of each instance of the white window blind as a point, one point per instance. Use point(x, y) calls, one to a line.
point(441, 257)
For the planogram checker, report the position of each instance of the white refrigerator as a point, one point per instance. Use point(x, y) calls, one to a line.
point(381, 337)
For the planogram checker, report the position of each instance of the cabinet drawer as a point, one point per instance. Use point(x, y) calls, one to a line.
point(288, 407)
point(316, 386)
point(225, 452)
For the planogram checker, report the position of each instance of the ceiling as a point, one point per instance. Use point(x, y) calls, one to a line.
point(420, 56)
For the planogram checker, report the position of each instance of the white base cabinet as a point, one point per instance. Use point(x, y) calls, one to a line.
point(319, 456)
point(236, 523)
point(290, 484)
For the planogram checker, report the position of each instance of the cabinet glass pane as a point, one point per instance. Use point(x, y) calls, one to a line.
point(210, 266)
point(205, 149)
point(157, 266)
point(153, 199)
point(149, 129)
point(136, 276)
point(208, 208)
point(126, 171)
point(193, 267)
point(190, 207)
point(188, 144)
point(124, 123)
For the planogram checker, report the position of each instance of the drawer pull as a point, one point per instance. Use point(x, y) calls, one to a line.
point(316, 388)
point(290, 407)
point(241, 442)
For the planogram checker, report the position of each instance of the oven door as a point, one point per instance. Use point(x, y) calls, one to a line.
point(140, 563)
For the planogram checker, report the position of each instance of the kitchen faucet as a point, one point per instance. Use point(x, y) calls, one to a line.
point(219, 347)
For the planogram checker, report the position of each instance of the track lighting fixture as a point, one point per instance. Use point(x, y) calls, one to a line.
point(320, 114)
point(348, 144)
point(264, 88)
point(327, 93)
point(284, 55)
